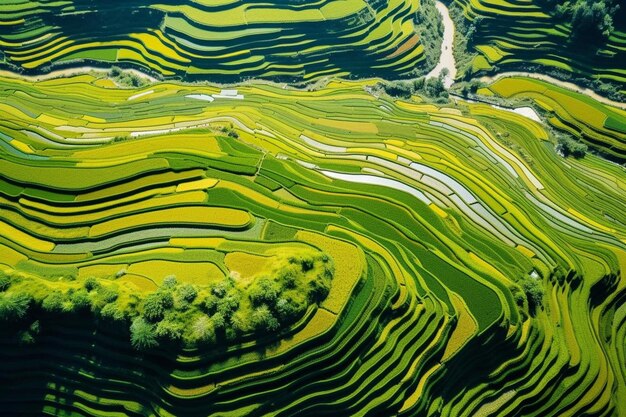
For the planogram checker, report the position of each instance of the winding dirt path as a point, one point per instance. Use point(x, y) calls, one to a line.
point(565, 84)
point(68, 72)
point(446, 59)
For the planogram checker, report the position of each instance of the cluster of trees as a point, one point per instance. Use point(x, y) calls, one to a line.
point(180, 313)
point(429, 26)
point(230, 131)
point(530, 292)
point(227, 310)
point(432, 88)
point(566, 146)
point(589, 18)
point(128, 79)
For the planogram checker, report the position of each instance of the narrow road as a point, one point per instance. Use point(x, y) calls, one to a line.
point(446, 59)
point(68, 72)
point(555, 81)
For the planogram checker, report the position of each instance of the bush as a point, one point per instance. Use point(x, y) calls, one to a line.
point(142, 334)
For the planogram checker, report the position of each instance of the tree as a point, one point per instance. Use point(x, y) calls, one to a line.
point(318, 290)
point(287, 309)
point(53, 302)
point(170, 329)
point(142, 334)
point(156, 304)
point(567, 146)
point(13, 306)
point(5, 282)
point(264, 320)
point(264, 291)
point(112, 311)
point(80, 299)
point(534, 291)
point(218, 320)
point(202, 329)
point(187, 293)
point(91, 284)
point(228, 305)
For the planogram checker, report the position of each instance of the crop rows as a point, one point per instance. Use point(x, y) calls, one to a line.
point(434, 222)
point(513, 35)
point(598, 125)
point(228, 41)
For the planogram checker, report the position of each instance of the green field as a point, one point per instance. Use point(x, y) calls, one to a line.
point(600, 126)
point(221, 41)
point(470, 269)
point(533, 36)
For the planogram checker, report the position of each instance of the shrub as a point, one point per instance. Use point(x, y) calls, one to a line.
point(142, 334)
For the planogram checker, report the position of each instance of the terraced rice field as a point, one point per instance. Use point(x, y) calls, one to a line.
point(434, 226)
point(223, 41)
point(601, 126)
point(513, 35)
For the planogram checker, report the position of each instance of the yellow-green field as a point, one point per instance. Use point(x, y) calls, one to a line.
point(328, 252)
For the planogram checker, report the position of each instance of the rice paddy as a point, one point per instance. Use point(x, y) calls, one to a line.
point(453, 263)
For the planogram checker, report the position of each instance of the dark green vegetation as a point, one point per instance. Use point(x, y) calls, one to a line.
point(179, 313)
point(222, 41)
point(474, 271)
point(579, 40)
